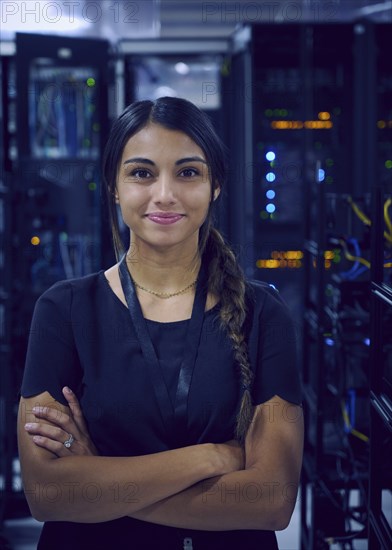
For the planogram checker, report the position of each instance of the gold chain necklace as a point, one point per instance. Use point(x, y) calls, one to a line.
point(164, 294)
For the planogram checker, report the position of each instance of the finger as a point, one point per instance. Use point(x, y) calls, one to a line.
point(74, 405)
point(46, 430)
point(54, 446)
point(52, 414)
point(57, 418)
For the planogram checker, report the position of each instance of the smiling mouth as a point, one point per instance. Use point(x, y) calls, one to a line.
point(164, 218)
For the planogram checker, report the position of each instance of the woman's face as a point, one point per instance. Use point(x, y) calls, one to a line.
point(163, 187)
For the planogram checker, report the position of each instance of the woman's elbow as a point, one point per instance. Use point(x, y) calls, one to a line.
point(37, 511)
point(39, 514)
point(43, 492)
point(282, 516)
point(40, 500)
point(274, 516)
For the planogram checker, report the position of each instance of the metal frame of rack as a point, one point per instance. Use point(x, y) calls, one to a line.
point(380, 479)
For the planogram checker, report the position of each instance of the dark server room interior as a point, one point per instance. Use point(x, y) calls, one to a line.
point(301, 94)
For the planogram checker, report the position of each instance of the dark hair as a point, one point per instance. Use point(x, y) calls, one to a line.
point(225, 277)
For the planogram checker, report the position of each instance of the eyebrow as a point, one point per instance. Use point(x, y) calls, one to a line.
point(152, 163)
point(140, 159)
point(190, 159)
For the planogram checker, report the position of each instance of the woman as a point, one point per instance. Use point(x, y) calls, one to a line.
point(189, 431)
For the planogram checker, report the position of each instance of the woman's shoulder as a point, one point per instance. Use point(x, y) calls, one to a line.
point(265, 299)
point(64, 289)
point(260, 290)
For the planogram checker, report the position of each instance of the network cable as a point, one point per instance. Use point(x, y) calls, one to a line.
point(353, 272)
point(387, 219)
point(349, 427)
point(364, 218)
point(351, 257)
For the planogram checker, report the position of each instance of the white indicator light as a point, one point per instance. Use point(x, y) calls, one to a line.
point(270, 156)
point(270, 176)
point(270, 194)
point(270, 207)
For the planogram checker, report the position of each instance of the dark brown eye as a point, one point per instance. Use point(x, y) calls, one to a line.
point(140, 173)
point(189, 172)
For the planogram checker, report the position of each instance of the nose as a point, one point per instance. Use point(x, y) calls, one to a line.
point(163, 191)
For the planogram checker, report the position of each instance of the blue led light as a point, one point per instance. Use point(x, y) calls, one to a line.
point(367, 341)
point(270, 176)
point(270, 194)
point(270, 207)
point(270, 156)
point(329, 342)
point(321, 174)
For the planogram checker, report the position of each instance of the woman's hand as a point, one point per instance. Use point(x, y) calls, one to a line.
point(62, 426)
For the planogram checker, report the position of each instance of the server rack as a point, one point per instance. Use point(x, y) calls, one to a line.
point(336, 329)
point(380, 365)
point(267, 168)
point(238, 91)
point(380, 371)
point(5, 297)
point(332, 319)
point(311, 107)
point(54, 124)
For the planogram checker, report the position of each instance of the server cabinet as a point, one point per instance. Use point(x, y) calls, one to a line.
point(314, 144)
point(55, 122)
point(380, 365)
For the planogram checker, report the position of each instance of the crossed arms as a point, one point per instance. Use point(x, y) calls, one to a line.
point(206, 486)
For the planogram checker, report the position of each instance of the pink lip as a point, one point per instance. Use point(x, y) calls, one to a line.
point(164, 218)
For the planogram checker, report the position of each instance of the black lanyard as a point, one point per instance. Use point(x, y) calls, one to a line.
point(175, 420)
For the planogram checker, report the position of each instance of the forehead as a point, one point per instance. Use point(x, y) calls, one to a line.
point(154, 140)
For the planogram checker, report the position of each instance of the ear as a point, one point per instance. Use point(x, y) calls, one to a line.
point(114, 194)
point(216, 193)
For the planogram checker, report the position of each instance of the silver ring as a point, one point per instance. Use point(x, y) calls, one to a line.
point(69, 441)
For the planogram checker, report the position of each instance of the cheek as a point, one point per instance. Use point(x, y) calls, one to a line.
point(199, 200)
point(132, 197)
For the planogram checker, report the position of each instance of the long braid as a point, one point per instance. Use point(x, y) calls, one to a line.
point(226, 280)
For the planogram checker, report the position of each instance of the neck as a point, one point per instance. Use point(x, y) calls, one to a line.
point(163, 270)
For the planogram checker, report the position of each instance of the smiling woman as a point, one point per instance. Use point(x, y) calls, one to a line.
point(184, 429)
point(164, 190)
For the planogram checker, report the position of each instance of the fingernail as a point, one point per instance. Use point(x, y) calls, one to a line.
point(39, 409)
point(29, 425)
point(37, 438)
point(67, 389)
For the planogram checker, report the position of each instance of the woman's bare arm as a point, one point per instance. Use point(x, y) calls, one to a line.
point(260, 497)
point(92, 489)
